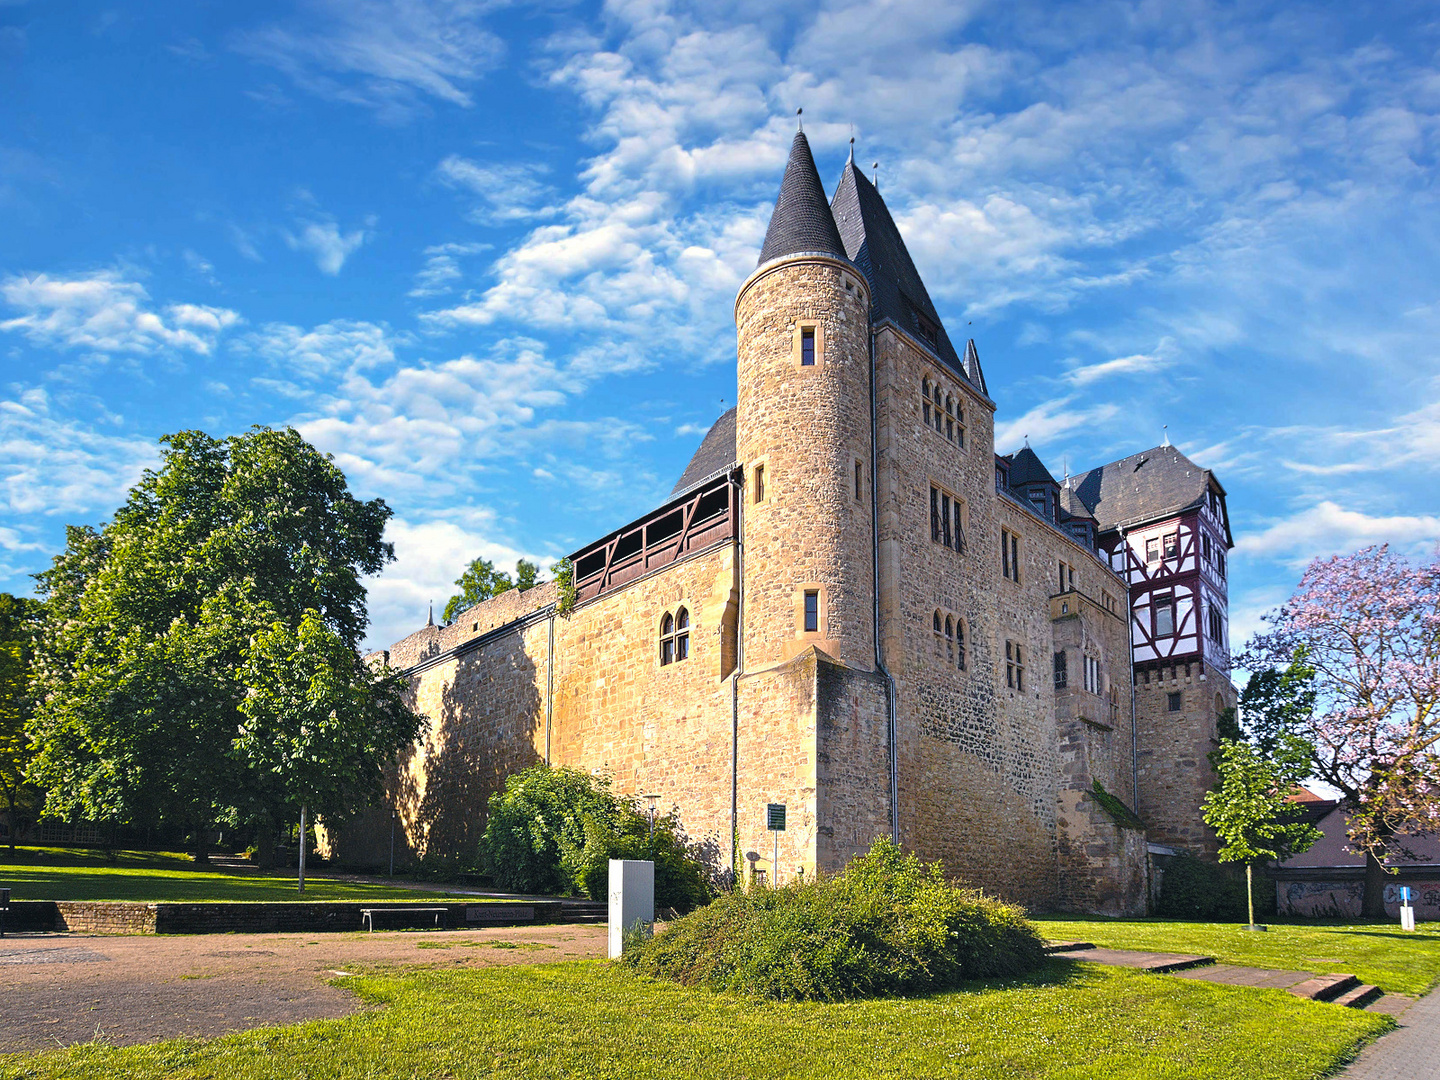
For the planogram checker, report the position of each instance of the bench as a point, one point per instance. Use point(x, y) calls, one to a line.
point(367, 915)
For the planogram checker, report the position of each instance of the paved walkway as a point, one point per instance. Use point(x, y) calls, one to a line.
point(1411, 1053)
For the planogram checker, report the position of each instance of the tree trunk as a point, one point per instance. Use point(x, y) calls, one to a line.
point(1376, 878)
point(265, 844)
point(1250, 893)
point(302, 849)
point(202, 846)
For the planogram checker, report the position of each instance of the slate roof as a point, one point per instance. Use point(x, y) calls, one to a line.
point(873, 243)
point(1027, 468)
point(716, 452)
point(1156, 483)
point(802, 220)
point(1073, 505)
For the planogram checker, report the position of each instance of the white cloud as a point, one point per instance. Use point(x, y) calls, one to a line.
point(52, 464)
point(104, 311)
point(442, 270)
point(1049, 420)
point(385, 55)
point(325, 241)
point(1135, 364)
point(1329, 529)
point(333, 347)
point(508, 191)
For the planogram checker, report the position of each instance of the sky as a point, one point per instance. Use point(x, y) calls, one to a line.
point(485, 254)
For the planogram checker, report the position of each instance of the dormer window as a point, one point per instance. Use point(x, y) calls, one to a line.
point(928, 331)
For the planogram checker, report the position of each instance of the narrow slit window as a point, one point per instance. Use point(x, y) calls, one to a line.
point(960, 644)
point(960, 426)
point(1010, 664)
point(950, 418)
point(1005, 553)
point(925, 399)
point(807, 346)
point(759, 483)
point(950, 638)
point(935, 514)
point(959, 529)
point(945, 518)
point(859, 481)
point(812, 611)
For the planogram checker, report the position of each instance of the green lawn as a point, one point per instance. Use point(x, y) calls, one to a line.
point(1378, 953)
point(73, 874)
point(587, 1019)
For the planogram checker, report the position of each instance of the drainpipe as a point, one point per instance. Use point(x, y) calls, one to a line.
point(891, 732)
point(549, 686)
point(735, 682)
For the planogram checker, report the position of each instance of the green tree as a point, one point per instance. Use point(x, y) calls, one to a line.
point(150, 620)
point(1250, 813)
point(319, 724)
point(20, 619)
point(481, 581)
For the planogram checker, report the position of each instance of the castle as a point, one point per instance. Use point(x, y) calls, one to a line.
point(852, 606)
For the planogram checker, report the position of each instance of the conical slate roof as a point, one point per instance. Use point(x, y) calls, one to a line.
point(802, 221)
point(716, 451)
point(873, 243)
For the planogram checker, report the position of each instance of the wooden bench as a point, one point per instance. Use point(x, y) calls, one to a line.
point(367, 915)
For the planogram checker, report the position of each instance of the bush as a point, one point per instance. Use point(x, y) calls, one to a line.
point(886, 925)
point(1209, 892)
point(554, 830)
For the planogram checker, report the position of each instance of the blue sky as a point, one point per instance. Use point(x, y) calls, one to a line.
point(485, 254)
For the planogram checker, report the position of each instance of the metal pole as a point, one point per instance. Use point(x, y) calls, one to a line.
point(775, 862)
point(392, 842)
point(302, 849)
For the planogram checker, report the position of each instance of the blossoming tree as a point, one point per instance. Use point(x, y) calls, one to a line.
point(1367, 626)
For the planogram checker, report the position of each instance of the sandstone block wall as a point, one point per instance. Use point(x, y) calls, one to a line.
point(1174, 765)
point(807, 427)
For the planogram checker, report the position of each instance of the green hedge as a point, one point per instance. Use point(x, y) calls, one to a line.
point(1208, 892)
point(886, 925)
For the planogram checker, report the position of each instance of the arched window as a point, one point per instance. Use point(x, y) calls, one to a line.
point(960, 425)
point(939, 411)
point(925, 394)
point(682, 634)
point(938, 631)
point(949, 638)
point(667, 640)
point(960, 644)
point(949, 417)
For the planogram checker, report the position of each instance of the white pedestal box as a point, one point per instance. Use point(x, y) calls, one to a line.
point(632, 899)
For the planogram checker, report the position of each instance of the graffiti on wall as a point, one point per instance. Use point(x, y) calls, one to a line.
point(1341, 899)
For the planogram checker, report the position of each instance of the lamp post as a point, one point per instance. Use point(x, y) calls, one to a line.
point(393, 813)
point(651, 811)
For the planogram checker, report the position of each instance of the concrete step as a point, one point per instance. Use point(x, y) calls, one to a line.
point(1068, 946)
point(1159, 963)
point(1390, 1004)
point(1324, 987)
point(1358, 996)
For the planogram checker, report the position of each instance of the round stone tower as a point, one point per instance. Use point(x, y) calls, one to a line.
point(802, 434)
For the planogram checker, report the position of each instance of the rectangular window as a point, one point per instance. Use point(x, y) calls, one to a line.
point(807, 346)
point(1164, 616)
point(1152, 550)
point(945, 518)
point(1062, 675)
point(859, 481)
point(1010, 664)
point(1062, 578)
point(1173, 702)
point(1172, 545)
point(935, 514)
point(1107, 600)
point(1220, 563)
point(1205, 548)
point(759, 483)
point(1092, 675)
point(1019, 668)
point(812, 611)
point(959, 529)
point(1005, 553)
point(1015, 558)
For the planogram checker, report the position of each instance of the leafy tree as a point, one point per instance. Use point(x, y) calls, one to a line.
point(151, 618)
point(19, 623)
point(1250, 813)
point(318, 723)
point(1367, 626)
point(481, 581)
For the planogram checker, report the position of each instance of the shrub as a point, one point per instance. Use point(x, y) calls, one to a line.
point(1208, 892)
point(554, 830)
point(886, 925)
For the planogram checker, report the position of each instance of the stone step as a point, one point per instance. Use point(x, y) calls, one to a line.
point(1324, 987)
point(1357, 997)
point(1159, 963)
point(1390, 1004)
point(1068, 946)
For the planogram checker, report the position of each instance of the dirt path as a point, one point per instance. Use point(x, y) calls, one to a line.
point(66, 988)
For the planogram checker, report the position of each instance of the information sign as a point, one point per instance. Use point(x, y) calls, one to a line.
point(775, 816)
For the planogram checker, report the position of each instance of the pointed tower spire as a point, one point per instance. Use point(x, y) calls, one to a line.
point(802, 221)
point(973, 371)
point(1167, 435)
point(430, 615)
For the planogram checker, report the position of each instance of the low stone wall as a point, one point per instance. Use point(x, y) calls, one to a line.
point(1336, 892)
point(123, 917)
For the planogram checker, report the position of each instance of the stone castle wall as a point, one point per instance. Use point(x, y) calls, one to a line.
point(1174, 764)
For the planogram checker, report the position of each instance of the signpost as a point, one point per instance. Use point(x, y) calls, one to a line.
point(1407, 913)
point(775, 822)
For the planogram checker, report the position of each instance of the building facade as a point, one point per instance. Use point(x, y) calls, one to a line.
point(851, 605)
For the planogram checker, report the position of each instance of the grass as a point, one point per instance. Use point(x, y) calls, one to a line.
point(585, 1018)
point(1378, 952)
point(77, 874)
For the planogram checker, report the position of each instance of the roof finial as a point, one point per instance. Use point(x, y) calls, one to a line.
point(875, 174)
point(1167, 435)
point(852, 149)
point(1027, 442)
point(799, 123)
